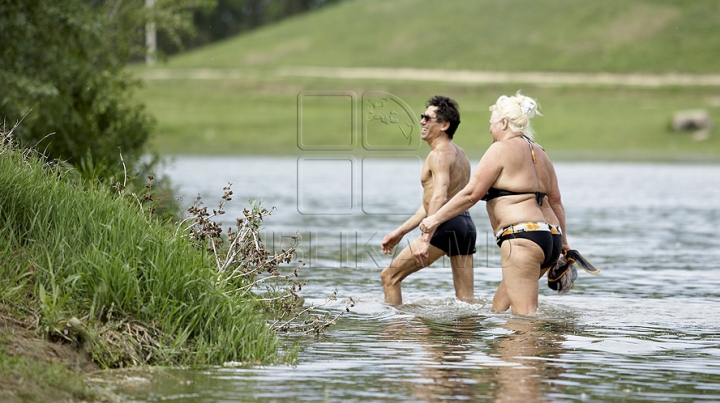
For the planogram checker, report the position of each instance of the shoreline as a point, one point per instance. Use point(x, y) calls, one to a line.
point(604, 156)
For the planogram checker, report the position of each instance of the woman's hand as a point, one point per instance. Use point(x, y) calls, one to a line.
point(421, 251)
point(429, 224)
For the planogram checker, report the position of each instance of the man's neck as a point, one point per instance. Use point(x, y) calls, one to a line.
point(439, 141)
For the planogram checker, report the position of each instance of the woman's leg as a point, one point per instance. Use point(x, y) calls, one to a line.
point(501, 302)
point(521, 259)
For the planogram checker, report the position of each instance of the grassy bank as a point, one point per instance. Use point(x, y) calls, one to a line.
point(34, 370)
point(85, 266)
point(237, 116)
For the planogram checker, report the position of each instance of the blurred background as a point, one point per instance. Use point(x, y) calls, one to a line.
point(224, 77)
point(610, 76)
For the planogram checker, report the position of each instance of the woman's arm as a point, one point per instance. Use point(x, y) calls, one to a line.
point(556, 205)
point(485, 174)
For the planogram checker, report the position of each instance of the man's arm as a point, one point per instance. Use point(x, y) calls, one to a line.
point(393, 238)
point(439, 165)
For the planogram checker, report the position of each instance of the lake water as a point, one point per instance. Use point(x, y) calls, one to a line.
point(647, 328)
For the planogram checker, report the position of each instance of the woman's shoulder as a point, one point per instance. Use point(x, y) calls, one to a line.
point(501, 146)
point(507, 149)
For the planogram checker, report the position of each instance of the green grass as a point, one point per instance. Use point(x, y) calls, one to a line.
point(257, 112)
point(655, 36)
point(238, 117)
point(144, 294)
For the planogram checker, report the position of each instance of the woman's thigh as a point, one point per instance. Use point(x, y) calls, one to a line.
point(521, 259)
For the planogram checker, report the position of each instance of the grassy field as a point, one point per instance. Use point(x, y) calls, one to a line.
point(652, 36)
point(249, 108)
point(237, 117)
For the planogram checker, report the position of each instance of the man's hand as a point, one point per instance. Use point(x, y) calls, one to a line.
point(390, 241)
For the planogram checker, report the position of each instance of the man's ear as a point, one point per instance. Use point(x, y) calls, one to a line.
point(445, 126)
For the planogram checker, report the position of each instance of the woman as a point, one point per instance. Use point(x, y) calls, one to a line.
point(517, 180)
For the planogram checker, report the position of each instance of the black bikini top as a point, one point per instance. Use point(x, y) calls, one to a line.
point(494, 192)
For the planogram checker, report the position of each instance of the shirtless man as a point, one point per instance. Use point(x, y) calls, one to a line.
point(446, 171)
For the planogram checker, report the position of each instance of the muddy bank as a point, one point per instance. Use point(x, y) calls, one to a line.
point(33, 369)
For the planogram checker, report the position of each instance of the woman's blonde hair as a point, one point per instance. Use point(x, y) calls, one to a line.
point(518, 110)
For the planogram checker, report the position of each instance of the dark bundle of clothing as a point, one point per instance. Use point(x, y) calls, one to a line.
point(562, 276)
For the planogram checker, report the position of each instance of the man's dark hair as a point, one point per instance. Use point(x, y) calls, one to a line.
point(447, 111)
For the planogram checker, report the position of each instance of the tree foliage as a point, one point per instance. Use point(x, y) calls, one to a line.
point(62, 68)
point(231, 17)
point(62, 74)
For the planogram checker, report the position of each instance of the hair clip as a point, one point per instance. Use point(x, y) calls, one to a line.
point(526, 107)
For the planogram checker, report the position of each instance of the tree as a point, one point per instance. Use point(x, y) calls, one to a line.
point(62, 73)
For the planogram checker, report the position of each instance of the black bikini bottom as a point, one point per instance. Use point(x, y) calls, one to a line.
point(549, 240)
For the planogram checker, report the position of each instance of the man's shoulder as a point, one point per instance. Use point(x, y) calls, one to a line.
point(446, 157)
point(440, 154)
point(450, 151)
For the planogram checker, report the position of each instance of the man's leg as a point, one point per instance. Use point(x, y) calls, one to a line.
point(463, 277)
point(402, 266)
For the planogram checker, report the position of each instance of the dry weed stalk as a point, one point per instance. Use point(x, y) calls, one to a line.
point(246, 266)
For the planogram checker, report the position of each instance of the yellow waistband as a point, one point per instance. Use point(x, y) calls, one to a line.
point(528, 227)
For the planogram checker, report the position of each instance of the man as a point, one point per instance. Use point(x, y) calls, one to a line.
point(445, 172)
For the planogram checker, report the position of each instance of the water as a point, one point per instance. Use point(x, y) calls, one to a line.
point(647, 328)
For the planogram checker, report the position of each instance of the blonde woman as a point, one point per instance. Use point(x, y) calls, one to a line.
point(517, 180)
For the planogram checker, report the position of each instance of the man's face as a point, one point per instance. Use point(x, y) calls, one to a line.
point(431, 126)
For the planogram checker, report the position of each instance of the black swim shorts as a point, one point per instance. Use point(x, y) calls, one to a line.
point(456, 236)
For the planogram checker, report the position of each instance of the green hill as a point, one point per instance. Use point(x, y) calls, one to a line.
point(235, 97)
point(655, 36)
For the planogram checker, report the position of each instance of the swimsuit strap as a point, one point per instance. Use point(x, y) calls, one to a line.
point(532, 150)
point(538, 195)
